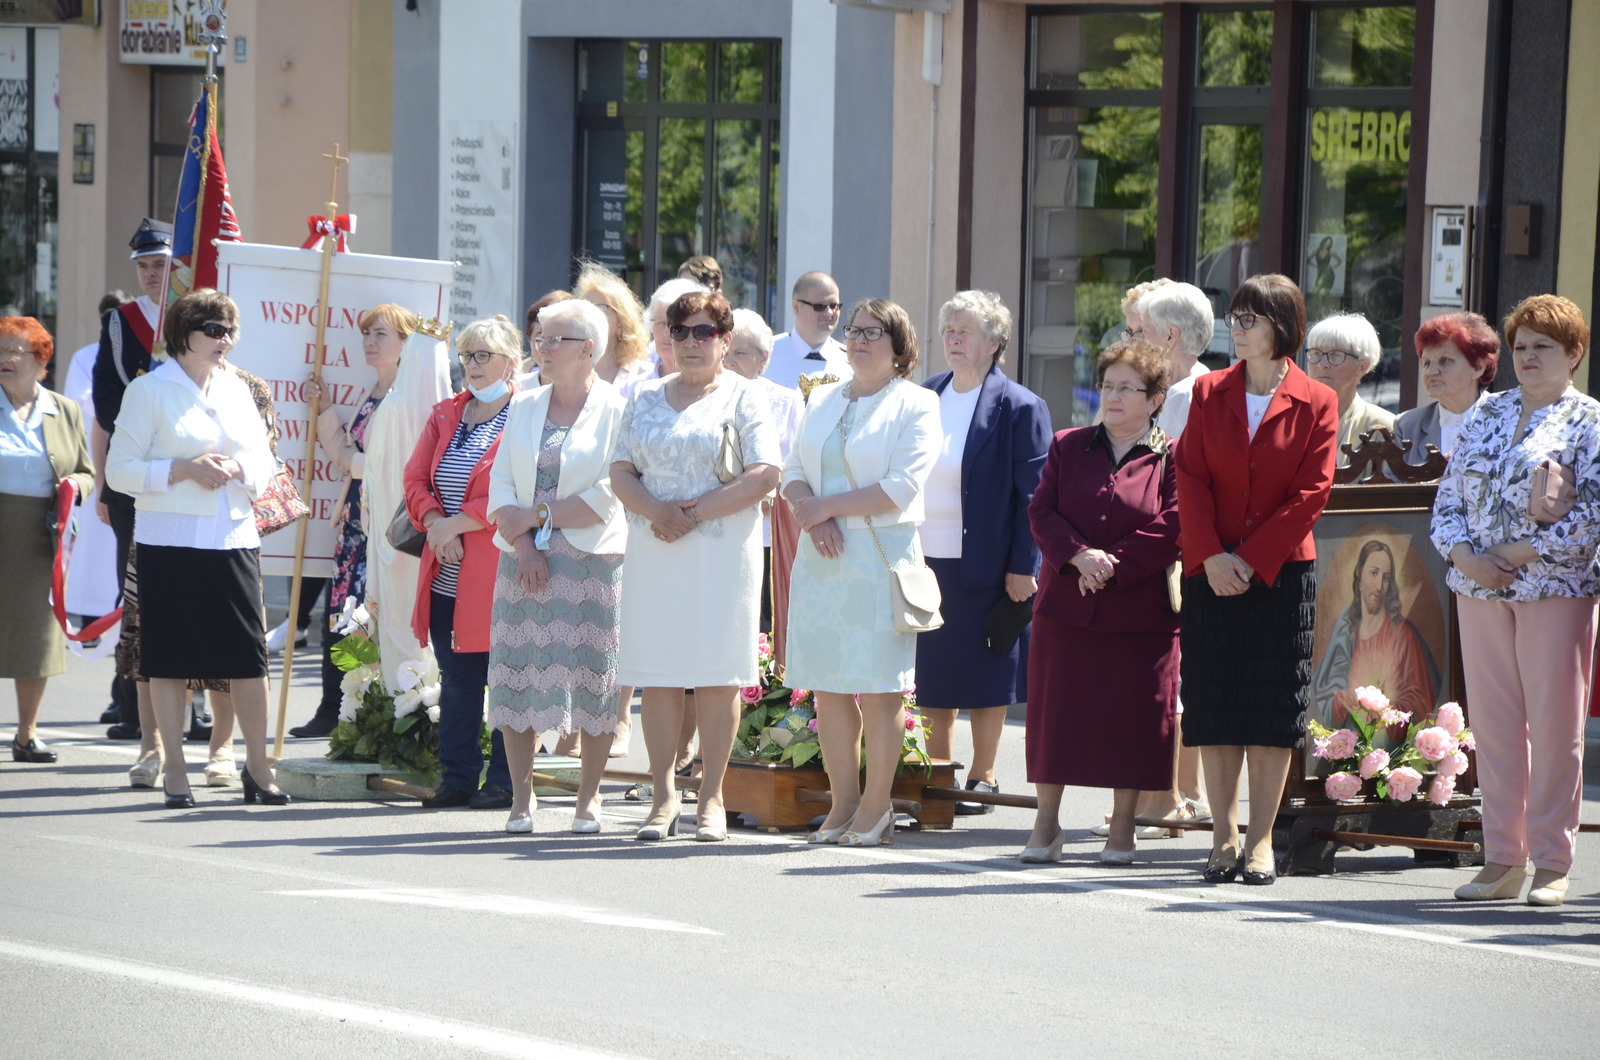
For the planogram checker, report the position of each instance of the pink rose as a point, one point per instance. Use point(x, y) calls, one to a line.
point(751, 694)
point(763, 646)
point(1452, 765)
point(911, 722)
point(1441, 789)
point(1451, 719)
point(1341, 787)
point(797, 696)
point(1372, 700)
point(812, 724)
point(1374, 762)
point(1433, 743)
point(1342, 744)
point(1403, 783)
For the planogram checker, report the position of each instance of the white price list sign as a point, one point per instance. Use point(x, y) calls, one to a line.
point(477, 215)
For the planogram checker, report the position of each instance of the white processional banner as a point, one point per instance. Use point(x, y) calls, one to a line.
point(276, 290)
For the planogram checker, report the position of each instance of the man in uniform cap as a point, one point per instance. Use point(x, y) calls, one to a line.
point(127, 339)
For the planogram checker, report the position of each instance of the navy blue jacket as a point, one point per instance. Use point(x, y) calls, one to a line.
point(1005, 451)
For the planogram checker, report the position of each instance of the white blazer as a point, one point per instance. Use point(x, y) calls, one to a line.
point(585, 464)
point(895, 446)
point(164, 418)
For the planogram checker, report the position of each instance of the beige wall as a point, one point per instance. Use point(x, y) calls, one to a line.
point(371, 192)
point(1580, 173)
point(999, 148)
point(1456, 103)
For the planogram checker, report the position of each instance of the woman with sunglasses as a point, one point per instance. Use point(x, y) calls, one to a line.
point(193, 452)
point(447, 495)
point(695, 455)
point(1254, 470)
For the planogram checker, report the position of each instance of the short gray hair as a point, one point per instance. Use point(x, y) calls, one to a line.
point(583, 318)
point(668, 293)
point(993, 317)
point(1183, 306)
point(747, 324)
point(497, 333)
point(1348, 331)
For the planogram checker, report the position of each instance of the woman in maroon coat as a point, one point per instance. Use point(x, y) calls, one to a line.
point(1103, 670)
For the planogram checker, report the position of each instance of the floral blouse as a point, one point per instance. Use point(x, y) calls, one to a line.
point(1483, 497)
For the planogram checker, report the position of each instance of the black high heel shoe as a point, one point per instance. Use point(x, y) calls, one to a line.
point(178, 802)
point(1222, 873)
point(254, 791)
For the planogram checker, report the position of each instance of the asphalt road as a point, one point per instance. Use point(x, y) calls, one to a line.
point(357, 930)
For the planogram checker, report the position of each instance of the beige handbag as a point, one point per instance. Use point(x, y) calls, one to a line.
point(914, 595)
point(730, 455)
point(1546, 503)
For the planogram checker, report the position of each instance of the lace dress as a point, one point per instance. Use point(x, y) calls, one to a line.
point(553, 656)
point(689, 616)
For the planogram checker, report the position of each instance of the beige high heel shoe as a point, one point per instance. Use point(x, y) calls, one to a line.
point(1494, 882)
point(145, 770)
point(1549, 887)
point(882, 835)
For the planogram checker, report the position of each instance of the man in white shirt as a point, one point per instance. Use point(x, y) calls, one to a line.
point(810, 348)
point(1178, 318)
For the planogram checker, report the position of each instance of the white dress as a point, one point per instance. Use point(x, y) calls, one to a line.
point(690, 608)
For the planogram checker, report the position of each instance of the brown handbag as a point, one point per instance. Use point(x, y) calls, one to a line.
point(279, 504)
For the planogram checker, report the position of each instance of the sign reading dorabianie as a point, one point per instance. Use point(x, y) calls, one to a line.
point(163, 32)
point(276, 289)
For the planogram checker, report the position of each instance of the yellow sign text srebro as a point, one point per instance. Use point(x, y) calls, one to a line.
point(1339, 134)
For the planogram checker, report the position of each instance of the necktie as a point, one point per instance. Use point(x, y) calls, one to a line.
point(814, 355)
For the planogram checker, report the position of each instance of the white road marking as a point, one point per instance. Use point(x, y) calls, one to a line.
point(386, 891)
point(1157, 893)
point(501, 905)
point(456, 1034)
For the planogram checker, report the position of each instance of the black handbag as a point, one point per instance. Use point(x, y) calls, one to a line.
point(1005, 623)
point(403, 536)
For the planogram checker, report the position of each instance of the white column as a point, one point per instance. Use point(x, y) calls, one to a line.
point(808, 135)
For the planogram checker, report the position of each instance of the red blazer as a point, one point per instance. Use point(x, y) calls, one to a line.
point(475, 584)
point(1260, 497)
point(1131, 513)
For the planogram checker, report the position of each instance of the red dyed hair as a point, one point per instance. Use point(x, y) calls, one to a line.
point(1552, 315)
point(33, 333)
point(1473, 337)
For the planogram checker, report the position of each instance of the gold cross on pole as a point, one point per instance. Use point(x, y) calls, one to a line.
point(333, 184)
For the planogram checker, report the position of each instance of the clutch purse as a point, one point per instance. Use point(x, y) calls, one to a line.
point(730, 454)
point(279, 504)
point(1175, 587)
point(1545, 501)
point(1006, 621)
point(404, 537)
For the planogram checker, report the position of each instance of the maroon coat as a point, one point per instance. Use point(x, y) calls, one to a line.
point(1130, 512)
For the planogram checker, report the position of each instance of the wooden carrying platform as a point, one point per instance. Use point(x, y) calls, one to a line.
point(783, 799)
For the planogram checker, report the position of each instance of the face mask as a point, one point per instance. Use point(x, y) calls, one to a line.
point(491, 393)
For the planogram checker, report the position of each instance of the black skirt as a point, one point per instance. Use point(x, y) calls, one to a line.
point(200, 613)
point(1247, 660)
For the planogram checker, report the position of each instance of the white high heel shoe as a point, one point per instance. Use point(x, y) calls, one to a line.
point(1043, 855)
point(145, 771)
point(882, 835)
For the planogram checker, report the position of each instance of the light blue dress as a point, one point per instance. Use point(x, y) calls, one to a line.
point(841, 628)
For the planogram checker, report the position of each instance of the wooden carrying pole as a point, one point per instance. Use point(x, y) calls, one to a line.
point(329, 243)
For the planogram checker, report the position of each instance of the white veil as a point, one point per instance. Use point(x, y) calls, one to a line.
point(392, 433)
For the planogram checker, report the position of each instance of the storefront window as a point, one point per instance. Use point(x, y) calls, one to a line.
point(29, 140)
point(1235, 48)
point(1358, 153)
point(1094, 143)
point(679, 144)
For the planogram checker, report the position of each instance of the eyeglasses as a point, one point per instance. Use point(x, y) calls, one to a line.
point(14, 353)
point(869, 334)
point(550, 342)
point(481, 356)
point(821, 307)
point(1331, 358)
point(1121, 390)
point(701, 332)
point(215, 330)
point(1241, 321)
point(1130, 333)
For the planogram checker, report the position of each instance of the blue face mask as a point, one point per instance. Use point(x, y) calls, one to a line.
point(491, 393)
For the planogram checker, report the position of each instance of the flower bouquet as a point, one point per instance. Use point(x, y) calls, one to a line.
point(397, 729)
point(1437, 744)
point(779, 723)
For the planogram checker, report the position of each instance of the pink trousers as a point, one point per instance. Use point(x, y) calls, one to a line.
point(1528, 668)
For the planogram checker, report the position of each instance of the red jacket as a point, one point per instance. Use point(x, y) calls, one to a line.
point(1258, 498)
point(475, 584)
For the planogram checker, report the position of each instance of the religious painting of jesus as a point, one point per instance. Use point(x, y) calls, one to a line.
point(1382, 619)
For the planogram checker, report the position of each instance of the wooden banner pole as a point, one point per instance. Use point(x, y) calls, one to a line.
point(329, 243)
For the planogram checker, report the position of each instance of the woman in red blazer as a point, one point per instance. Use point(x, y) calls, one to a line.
point(1255, 465)
point(447, 494)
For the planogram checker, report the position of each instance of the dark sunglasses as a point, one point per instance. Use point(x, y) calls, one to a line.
point(701, 332)
point(215, 330)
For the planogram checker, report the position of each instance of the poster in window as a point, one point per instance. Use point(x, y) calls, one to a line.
point(1325, 265)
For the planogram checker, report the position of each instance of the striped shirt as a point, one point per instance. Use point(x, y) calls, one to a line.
point(467, 447)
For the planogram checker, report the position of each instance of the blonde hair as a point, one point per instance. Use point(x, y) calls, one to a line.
point(497, 332)
point(631, 337)
point(396, 318)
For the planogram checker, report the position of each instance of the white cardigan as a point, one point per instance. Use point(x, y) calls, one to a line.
point(895, 446)
point(164, 418)
point(585, 464)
